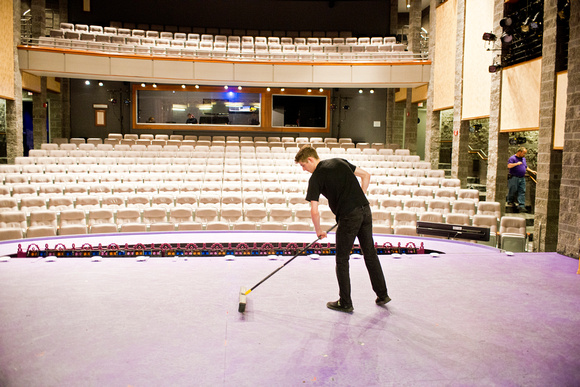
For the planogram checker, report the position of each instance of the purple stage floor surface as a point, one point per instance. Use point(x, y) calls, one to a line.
point(470, 317)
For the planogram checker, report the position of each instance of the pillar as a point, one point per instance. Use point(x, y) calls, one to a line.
point(391, 118)
point(414, 45)
point(460, 160)
point(569, 223)
point(432, 136)
point(547, 204)
point(498, 142)
point(39, 100)
point(14, 107)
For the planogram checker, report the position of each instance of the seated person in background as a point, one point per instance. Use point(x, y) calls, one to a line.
point(191, 119)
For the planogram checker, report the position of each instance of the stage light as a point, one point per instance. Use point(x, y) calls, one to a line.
point(507, 38)
point(489, 37)
point(282, 89)
point(506, 22)
point(408, 3)
point(87, 82)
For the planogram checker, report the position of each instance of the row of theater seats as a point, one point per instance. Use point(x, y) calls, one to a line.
point(42, 223)
point(139, 41)
point(506, 232)
point(148, 136)
point(510, 235)
point(182, 156)
point(169, 35)
point(226, 141)
point(206, 146)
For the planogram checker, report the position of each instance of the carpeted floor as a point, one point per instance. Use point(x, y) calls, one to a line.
point(461, 319)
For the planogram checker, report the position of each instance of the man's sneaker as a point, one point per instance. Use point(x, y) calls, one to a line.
point(382, 301)
point(335, 305)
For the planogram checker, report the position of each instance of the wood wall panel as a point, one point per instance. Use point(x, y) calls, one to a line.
point(444, 61)
point(476, 60)
point(561, 101)
point(520, 96)
point(6, 50)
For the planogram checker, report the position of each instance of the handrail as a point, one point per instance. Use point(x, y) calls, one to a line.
point(479, 152)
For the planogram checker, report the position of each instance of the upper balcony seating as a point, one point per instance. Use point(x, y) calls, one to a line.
point(265, 45)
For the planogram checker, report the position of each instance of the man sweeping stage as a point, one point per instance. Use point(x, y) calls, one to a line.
point(336, 179)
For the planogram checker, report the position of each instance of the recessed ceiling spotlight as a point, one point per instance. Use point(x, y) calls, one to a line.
point(142, 85)
point(268, 89)
point(310, 90)
point(321, 89)
point(360, 91)
point(100, 83)
point(282, 89)
point(226, 87)
point(239, 87)
point(183, 86)
point(87, 82)
point(155, 85)
point(372, 91)
point(197, 86)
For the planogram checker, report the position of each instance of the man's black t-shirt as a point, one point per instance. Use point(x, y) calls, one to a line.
point(335, 179)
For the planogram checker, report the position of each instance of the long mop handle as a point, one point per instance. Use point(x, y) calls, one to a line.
point(288, 261)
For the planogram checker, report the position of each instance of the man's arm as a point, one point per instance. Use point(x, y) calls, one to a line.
point(514, 164)
point(315, 215)
point(365, 178)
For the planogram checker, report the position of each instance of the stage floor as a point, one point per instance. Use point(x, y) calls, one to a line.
point(467, 317)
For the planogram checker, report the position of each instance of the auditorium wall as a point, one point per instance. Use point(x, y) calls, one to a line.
point(365, 110)
point(83, 97)
point(362, 18)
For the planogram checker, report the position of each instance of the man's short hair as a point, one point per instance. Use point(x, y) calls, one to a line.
point(304, 153)
point(522, 149)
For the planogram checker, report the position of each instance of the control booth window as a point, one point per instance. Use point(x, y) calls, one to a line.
point(198, 107)
point(302, 111)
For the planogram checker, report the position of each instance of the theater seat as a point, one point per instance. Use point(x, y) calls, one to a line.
point(512, 234)
point(10, 234)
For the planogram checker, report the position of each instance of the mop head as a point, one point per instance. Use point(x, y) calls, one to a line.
point(242, 305)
